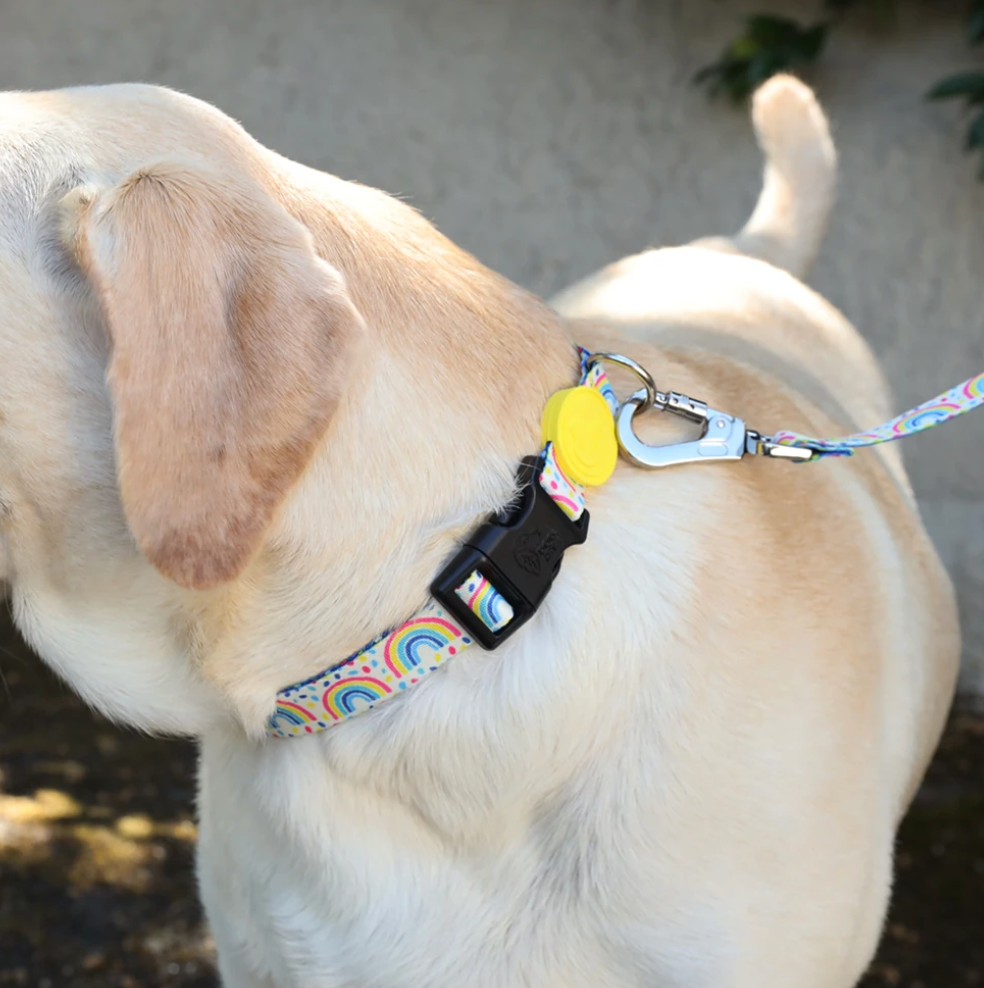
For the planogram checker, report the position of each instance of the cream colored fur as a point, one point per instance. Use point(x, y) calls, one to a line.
point(247, 409)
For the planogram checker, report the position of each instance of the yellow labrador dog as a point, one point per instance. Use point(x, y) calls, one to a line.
point(247, 413)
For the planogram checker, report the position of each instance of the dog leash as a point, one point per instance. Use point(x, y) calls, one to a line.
point(726, 437)
point(958, 400)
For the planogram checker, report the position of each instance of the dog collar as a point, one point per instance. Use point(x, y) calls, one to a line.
point(505, 568)
point(496, 581)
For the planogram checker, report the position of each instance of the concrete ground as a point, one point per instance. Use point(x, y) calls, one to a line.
point(552, 136)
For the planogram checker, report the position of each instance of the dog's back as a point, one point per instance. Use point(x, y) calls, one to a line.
point(727, 320)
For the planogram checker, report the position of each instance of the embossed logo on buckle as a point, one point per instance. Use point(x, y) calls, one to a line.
point(536, 547)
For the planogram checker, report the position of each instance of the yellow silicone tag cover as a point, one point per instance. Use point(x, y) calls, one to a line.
point(580, 424)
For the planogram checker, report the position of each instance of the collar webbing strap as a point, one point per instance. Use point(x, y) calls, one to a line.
point(403, 656)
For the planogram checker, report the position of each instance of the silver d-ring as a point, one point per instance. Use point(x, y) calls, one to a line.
point(652, 395)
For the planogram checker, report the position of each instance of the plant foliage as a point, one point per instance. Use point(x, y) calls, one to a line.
point(767, 46)
point(776, 44)
point(968, 86)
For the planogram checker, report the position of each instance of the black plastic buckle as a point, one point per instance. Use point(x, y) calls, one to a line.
point(519, 552)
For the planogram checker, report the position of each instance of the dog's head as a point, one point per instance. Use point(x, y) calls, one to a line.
point(182, 324)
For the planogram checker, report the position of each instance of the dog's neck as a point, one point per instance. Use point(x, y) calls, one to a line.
point(458, 367)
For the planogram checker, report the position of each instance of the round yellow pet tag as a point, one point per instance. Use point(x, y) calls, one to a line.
point(579, 423)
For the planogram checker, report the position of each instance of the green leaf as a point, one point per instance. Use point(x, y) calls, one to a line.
point(967, 84)
point(975, 133)
point(975, 23)
point(769, 45)
point(773, 32)
point(726, 74)
point(744, 47)
point(812, 41)
point(737, 82)
point(884, 10)
point(763, 66)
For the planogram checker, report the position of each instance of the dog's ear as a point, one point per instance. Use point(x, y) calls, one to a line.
point(230, 342)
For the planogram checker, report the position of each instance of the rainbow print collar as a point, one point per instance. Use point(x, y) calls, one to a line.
point(385, 668)
point(580, 449)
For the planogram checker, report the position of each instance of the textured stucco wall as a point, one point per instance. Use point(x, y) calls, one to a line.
point(551, 136)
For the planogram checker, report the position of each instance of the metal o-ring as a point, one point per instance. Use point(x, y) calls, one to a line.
point(652, 394)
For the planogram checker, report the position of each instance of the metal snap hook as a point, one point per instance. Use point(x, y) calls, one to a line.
point(722, 436)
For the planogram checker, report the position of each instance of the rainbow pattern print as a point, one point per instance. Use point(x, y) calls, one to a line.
point(963, 398)
point(414, 645)
point(595, 377)
point(397, 660)
point(567, 495)
point(483, 599)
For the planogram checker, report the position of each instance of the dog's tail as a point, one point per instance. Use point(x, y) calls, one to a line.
point(790, 218)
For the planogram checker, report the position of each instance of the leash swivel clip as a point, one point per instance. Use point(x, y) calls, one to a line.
point(723, 437)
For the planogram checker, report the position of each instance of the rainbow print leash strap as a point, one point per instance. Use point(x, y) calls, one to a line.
point(400, 658)
point(963, 398)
